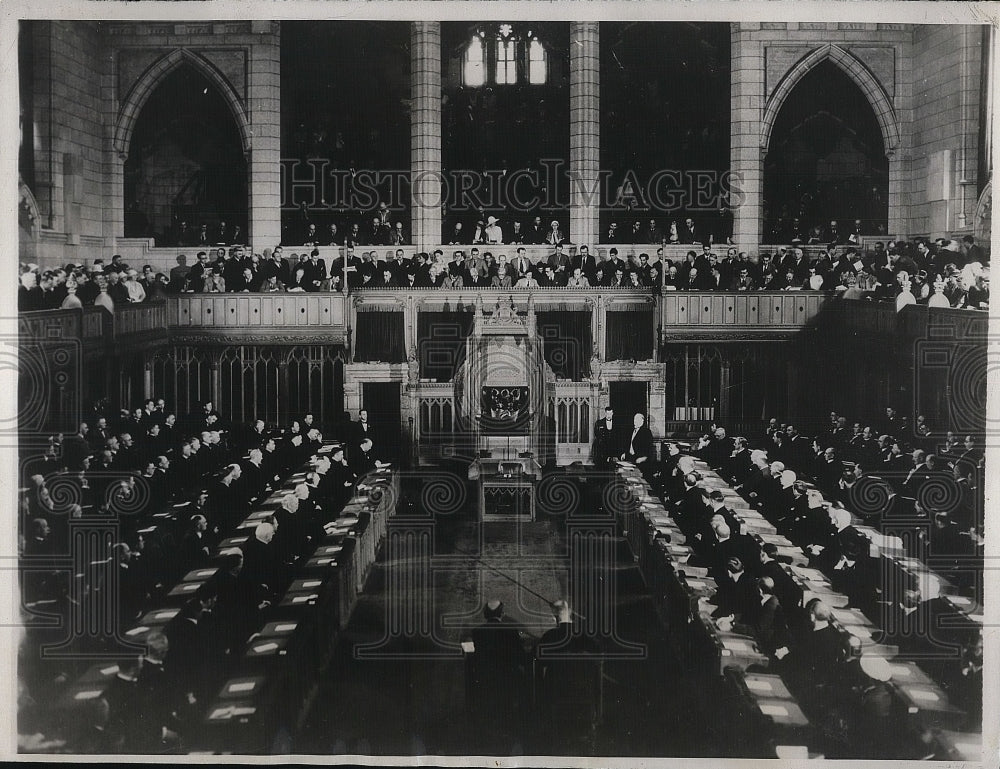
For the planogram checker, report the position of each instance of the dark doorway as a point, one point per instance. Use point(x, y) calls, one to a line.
point(381, 399)
point(826, 162)
point(628, 399)
point(664, 105)
point(185, 164)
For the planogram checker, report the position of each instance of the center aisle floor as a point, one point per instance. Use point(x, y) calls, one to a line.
point(411, 699)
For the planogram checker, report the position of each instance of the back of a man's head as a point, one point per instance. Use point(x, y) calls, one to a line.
point(157, 646)
point(562, 612)
point(264, 532)
point(493, 610)
point(818, 610)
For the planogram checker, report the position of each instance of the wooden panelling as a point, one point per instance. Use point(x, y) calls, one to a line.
point(257, 310)
point(733, 310)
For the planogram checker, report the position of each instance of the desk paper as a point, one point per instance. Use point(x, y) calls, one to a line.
point(109, 671)
point(758, 685)
point(773, 710)
point(89, 694)
point(243, 686)
point(264, 648)
point(923, 694)
point(468, 647)
point(286, 627)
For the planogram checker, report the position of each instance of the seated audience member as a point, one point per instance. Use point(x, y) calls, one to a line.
point(764, 620)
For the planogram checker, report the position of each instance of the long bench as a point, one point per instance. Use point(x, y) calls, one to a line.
point(266, 690)
point(683, 593)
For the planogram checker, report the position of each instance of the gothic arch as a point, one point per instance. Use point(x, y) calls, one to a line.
point(29, 216)
point(982, 225)
point(854, 69)
point(152, 77)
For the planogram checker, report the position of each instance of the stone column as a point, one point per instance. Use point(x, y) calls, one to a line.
point(724, 389)
point(584, 130)
point(425, 134)
point(147, 377)
point(264, 156)
point(746, 155)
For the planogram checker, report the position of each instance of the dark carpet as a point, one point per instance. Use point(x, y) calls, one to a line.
point(405, 693)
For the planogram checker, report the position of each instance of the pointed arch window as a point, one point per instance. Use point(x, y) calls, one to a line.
point(506, 71)
point(504, 54)
point(537, 62)
point(474, 66)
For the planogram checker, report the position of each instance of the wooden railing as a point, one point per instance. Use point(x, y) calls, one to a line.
point(258, 318)
point(142, 318)
point(738, 310)
point(256, 310)
point(95, 325)
point(327, 317)
point(915, 321)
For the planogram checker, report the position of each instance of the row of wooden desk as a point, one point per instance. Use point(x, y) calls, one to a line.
point(682, 593)
point(268, 688)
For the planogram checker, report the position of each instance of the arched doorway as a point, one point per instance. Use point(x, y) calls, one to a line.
point(826, 161)
point(185, 163)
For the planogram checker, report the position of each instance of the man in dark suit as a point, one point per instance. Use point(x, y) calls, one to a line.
point(226, 502)
point(558, 260)
point(786, 590)
point(820, 649)
point(691, 505)
point(568, 670)
point(261, 575)
point(536, 233)
point(717, 449)
point(586, 262)
point(360, 430)
point(638, 446)
point(765, 621)
point(605, 438)
point(275, 266)
point(341, 479)
point(365, 460)
point(690, 233)
point(737, 466)
point(737, 593)
point(521, 265)
point(497, 668)
point(196, 643)
point(315, 271)
point(75, 448)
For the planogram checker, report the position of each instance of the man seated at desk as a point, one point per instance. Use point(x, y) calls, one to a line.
point(366, 460)
point(764, 620)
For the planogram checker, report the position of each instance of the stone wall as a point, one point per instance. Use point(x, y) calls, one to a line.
point(91, 80)
point(70, 140)
point(944, 132)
